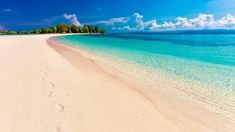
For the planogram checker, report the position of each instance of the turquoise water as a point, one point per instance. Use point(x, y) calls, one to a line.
point(207, 59)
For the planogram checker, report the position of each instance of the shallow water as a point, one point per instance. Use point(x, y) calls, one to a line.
point(205, 59)
point(192, 75)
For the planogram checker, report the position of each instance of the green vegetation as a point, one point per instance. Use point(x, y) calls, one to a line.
point(61, 28)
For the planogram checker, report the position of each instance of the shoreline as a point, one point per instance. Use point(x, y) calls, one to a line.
point(42, 91)
point(51, 87)
point(160, 98)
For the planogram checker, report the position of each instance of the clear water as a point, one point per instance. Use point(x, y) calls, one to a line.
point(207, 59)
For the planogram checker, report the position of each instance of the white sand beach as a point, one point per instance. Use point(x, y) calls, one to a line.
point(46, 88)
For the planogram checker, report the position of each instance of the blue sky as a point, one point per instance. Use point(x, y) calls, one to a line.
point(135, 15)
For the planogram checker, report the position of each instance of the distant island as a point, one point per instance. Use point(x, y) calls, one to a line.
point(61, 28)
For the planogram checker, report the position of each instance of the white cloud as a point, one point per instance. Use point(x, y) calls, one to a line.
point(227, 21)
point(127, 28)
point(206, 21)
point(142, 25)
point(126, 23)
point(139, 21)
point(113, 21)
point(135, 22)
point(183, 23)
point(73, 18)
point(168, 25)
point(201, 22)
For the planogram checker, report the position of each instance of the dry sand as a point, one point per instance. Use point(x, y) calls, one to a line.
point(42, 91)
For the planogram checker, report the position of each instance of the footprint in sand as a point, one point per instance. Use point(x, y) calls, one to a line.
point(49, 94)
point(57, 129)
point(42, 79)
point(60, 107)
point(51, 84)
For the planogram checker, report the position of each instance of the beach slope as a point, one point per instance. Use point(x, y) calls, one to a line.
point(41, 91)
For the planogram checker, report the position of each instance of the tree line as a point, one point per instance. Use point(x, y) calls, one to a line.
point(61, 28)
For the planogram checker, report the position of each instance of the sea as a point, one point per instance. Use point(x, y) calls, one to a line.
point(200, 65)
